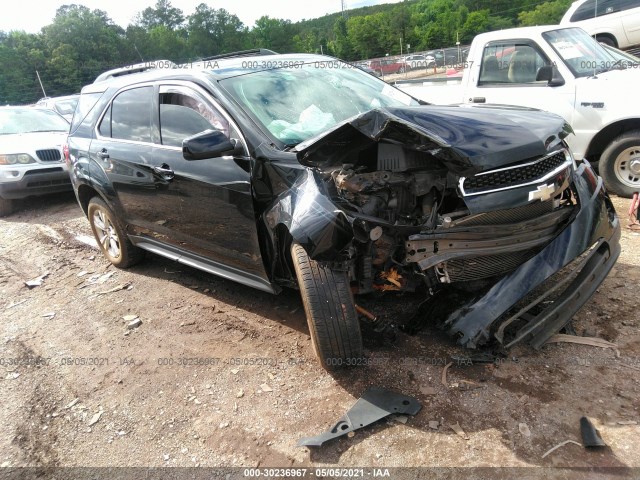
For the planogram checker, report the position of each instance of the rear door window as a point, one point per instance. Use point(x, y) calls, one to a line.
point(129, 116)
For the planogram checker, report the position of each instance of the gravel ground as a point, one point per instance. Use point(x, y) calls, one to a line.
point(219, 375)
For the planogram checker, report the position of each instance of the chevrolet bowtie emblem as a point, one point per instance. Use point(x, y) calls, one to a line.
point(542, 193)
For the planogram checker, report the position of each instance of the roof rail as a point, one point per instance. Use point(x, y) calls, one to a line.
point(135, 68)
point(241, 53)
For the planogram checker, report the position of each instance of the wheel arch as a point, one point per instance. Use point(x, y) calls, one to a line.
point(605, 136)
point(599, 36)
point(85, 194)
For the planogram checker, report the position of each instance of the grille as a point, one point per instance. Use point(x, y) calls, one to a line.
point(467, 269)
point(514, 176)
point(40, 171)
point(50, 155)
point(49, 183)
point(511, 215)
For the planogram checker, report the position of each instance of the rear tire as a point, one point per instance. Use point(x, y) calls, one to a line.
point(330, 310)
point(607, 40)
point(6, 207)
point(619, 164)
point(110, 235)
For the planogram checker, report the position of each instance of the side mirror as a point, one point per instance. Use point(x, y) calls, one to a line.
point(207, 144)
point(549, 74)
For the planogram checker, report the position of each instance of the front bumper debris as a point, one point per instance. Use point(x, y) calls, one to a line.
point(593, 234)
point(375, 404)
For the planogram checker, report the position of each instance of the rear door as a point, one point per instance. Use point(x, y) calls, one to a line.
point(123, 151)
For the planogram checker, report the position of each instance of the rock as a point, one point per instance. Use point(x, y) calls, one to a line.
point(401, 418)
point(134, 324)
point(72, 403)
point(234, 371)
point(351, 434)
point(95, 418)
point(129, 318)
point(459, 431)
point(12, 375)
point(165, 457)
point(524, 430)
point(427, 390)
point(240, 393)
point(434, 424)
point(224, 424)
point(266, 388)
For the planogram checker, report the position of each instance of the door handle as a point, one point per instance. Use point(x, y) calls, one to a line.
point(102, 154)
point(164, 171)
point(478, 100)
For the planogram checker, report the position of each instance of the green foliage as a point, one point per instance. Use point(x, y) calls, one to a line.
point(81, 43)
point(548, 13)
point(211, 32)
point(162, 15)
point(274, 34)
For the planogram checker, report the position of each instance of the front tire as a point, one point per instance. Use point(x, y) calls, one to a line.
point(6, 207)
point(110, 235)
point(330, 310)
point(619, 165)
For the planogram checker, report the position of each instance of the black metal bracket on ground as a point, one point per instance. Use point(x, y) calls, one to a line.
point(375, 404)
point(590, 437)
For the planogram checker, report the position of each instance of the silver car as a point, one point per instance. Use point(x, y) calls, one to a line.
point(31, 156)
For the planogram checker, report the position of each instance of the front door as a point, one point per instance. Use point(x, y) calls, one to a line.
point(204, 206)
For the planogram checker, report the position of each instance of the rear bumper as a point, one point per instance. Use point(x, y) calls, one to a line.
point(37, 182)
point(589, 244)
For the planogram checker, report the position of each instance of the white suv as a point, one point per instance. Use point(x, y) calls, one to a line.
point(613, 22)
point(31, 154)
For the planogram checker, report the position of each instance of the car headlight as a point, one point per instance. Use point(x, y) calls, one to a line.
point(21, 158)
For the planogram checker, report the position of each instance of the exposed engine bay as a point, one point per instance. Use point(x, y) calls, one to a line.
point(415, 227)
point(480, 216)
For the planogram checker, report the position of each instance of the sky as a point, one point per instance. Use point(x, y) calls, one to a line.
point(32, 15)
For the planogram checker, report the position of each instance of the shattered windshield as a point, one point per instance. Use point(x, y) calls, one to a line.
point(580, 52)
point(295, 104)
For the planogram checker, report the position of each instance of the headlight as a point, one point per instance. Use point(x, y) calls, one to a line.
point(21, 158)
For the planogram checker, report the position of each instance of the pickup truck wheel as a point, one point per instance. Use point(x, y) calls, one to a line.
point(6, 207)
point(607, 40)
point(619, 165)
point(110, 235)
point(330, 310)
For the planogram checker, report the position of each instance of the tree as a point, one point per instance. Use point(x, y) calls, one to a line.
point(80, 44)
point(548, 13)
point(372, 36)
point(274, 34)
point(21, 54)
point(162, 15)
point(212, 31)
point(341, 46)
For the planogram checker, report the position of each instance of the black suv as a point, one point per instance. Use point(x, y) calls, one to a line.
point(303, 171)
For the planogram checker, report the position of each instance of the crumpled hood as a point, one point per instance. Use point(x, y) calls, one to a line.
point(467, 139)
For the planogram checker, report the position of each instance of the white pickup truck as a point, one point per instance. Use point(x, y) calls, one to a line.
point(564, 71)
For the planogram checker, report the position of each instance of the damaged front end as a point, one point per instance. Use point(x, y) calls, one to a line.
point(481, 208)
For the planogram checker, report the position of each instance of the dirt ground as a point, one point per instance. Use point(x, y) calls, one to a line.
point(221, 375)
